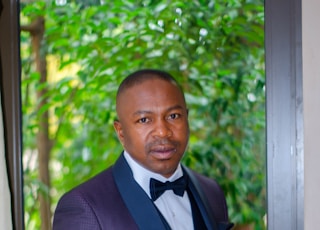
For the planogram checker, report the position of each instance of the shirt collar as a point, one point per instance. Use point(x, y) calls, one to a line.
point(142, 175)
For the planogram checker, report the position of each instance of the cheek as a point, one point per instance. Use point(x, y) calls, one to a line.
point(182, 130)
point(135, 137)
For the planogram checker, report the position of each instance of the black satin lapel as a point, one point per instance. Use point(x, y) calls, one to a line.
point(201, 200)
point(137, 201)
point(225, 226)
point(164, 221)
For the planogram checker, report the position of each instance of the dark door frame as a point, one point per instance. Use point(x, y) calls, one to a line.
point(10, 100)
point(285, 170)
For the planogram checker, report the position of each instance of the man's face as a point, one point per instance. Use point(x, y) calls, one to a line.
point(153, 125)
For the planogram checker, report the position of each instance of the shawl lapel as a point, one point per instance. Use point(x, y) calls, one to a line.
point(201, 201)
point(203, 204)
point(136, 200)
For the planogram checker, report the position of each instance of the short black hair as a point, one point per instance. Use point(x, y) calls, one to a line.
point(142, 75)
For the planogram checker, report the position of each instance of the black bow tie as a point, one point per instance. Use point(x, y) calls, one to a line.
point(157, 188)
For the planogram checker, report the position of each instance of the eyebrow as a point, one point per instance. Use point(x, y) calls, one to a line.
point(139, 112)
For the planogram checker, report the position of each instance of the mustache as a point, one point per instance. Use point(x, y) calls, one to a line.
point(166, 142)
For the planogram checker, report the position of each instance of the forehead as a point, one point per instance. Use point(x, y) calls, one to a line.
point(143, 82)
point(155, 83)
point(151, 94)
point(139, 78)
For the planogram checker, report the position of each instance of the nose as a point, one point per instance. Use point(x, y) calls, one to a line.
point(162, 129)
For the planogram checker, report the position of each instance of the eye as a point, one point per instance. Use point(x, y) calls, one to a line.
point(143, 120)
point(174, 116)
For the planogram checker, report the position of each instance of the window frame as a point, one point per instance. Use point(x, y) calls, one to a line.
point(284, 108)
point(284, 114)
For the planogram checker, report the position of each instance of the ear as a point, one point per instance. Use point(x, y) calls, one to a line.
point(118, 128)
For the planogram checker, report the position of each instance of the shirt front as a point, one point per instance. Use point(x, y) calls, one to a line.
point(175, 209)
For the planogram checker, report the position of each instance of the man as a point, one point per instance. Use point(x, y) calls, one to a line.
point(136, 193)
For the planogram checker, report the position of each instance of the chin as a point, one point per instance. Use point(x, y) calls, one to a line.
point(167, 171)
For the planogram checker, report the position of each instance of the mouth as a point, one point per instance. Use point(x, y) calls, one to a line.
point(163, 152)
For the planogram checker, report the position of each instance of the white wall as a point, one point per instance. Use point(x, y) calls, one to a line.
point(311, 100)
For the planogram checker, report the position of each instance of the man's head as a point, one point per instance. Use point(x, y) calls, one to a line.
point(152, 120)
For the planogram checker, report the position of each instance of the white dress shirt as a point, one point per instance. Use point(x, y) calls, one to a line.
point(175, 209)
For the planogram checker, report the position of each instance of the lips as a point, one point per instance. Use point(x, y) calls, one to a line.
point(162, 153)
point(162, 150)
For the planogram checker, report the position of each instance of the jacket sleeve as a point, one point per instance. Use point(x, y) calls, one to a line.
point(73, 212)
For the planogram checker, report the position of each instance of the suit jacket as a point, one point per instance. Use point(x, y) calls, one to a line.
point(113, 200)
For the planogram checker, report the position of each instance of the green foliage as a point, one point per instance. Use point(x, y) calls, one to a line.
point(215, 50)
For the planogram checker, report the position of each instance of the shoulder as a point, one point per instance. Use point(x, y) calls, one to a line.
point(92, 189)
point(81, 207)
point(99, 183)
point(95, 204)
